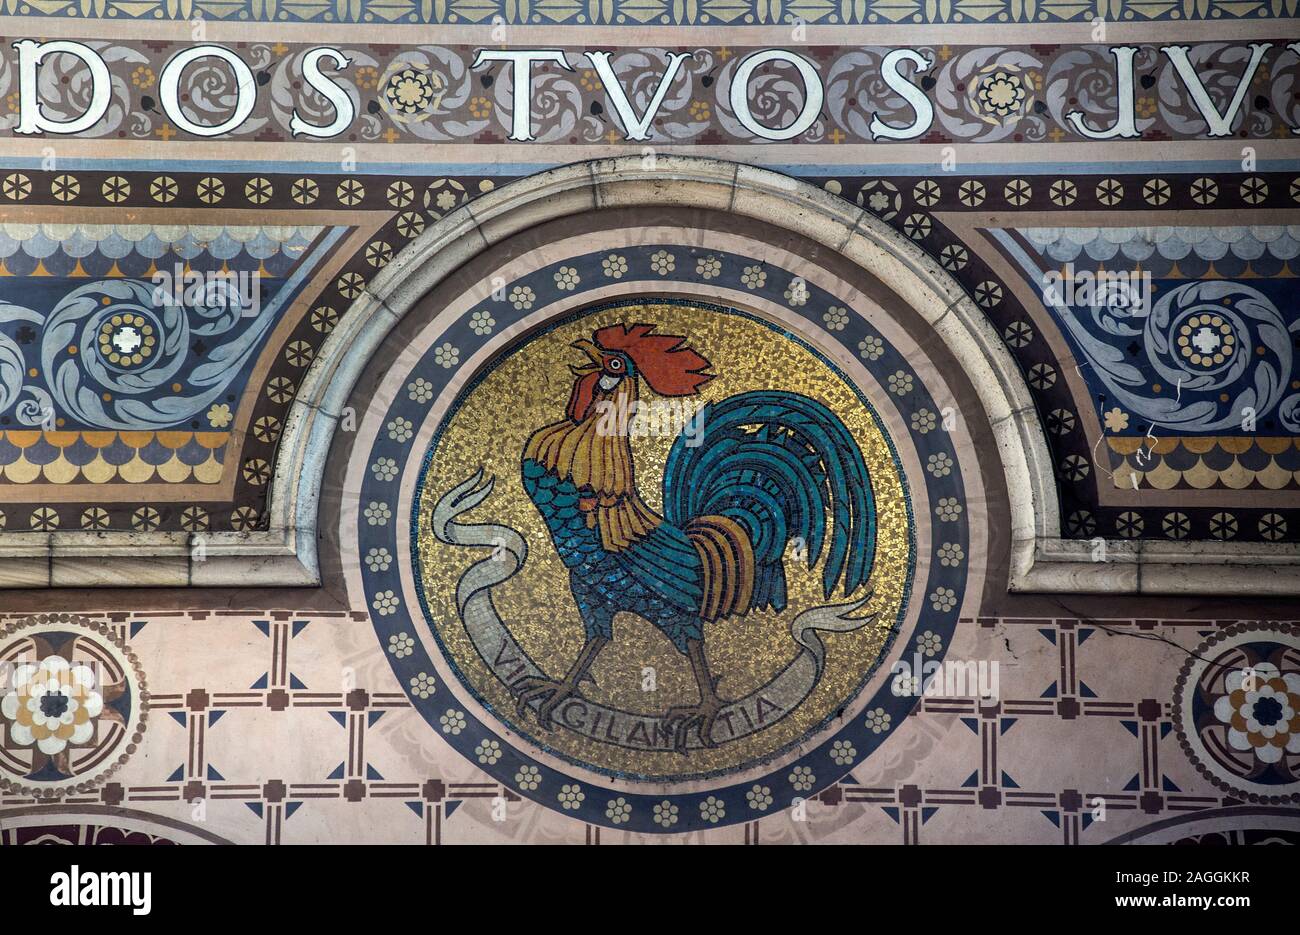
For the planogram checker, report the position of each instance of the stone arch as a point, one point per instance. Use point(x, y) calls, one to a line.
point(286, 552)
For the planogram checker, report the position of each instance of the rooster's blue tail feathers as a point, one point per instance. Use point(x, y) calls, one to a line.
point(778, 463)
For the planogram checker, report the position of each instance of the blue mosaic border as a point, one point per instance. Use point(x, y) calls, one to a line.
point(612, 805)
point(523, 730)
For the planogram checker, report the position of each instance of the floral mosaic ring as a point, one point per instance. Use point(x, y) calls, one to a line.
point(1237, 711)
point(73, 704)
point(454, 659)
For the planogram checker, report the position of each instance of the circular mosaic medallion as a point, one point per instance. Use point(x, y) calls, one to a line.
point(1205, 340)
point(127, 339)
point(72, 704)
point(1237, 709)
point(589, 535)
point(659, 548)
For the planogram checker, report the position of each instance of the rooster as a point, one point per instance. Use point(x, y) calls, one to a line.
point(765, 471)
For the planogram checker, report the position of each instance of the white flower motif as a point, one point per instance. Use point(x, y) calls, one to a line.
point(943, 600)
point(951, 554)
point(619, 810)
point(842, 753)
point(481, 323)
point(453, 722)
point(940, 464)
point(712, 810)
point(386, 603)
point(446, 355)
point(878, 720)
point(665, 814)
point(797, 293)
point(420, 390)
point(220, 415)
point(754, 277)
point(522, 298)
point(948, 509)
point(378, 559)
point(567, 279)
point(760, 798)
point(904, 686)
point(663, 262)
point(615, 266)
point(929, 643)
point(571, 796)
point(836, 318)
point(802, 778)
point(400, 430)
point(900, 383)
point(1261, 711)
point(528, 778)
point(51, 705)
point(401, 644)
point(923, 421)
point(385, 469)
point(871, 347)
point(488, 752)
point(708, 267)
point(377, 514)
point(423, 685)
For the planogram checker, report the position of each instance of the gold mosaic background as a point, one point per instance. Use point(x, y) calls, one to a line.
point(528, 390)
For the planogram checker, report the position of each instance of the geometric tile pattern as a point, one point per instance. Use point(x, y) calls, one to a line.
point(954, 771)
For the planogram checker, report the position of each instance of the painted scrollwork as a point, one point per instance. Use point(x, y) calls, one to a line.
point(429, 92)
point(1083, 79)
point(640, 73)
point(1219, 66)
point(116, 358)
point(36, 407)
point(1284, 87)
point(1289, 412)
point(7, 72)
point(289, 92)
point(209, 90)
point(991, 94)
point(555, 108)
point(776, 99)
point(64, 86)
point(1219, 351)
point(856, 92)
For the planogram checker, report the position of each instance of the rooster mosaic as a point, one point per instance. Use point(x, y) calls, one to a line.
point(760, 471)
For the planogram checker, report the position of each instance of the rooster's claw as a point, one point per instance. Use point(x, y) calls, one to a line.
point(553, 692)
point(702, 716)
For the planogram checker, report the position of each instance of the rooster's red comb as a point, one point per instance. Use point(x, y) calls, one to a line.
point(668, 365)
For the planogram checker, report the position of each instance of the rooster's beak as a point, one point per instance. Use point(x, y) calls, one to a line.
point(592, 352)
point(584, 388)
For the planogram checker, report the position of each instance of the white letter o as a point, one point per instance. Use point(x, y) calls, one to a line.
point(169, 83)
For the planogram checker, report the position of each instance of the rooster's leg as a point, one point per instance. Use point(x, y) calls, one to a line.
point(704, 715)
point(552, 691)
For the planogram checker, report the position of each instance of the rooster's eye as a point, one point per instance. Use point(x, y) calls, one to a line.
point(616, 364)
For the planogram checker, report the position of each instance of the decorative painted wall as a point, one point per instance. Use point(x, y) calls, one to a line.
point(326, 513)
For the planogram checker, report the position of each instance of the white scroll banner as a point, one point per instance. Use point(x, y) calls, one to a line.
point(502, 654)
